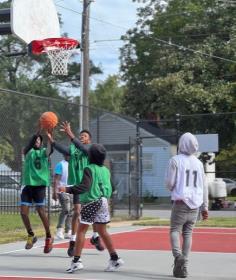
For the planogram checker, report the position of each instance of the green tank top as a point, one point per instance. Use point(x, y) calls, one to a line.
point(101, 185)
point(36, 168)
point(77, 162)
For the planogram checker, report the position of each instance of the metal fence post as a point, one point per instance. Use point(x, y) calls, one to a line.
point(139, 194)
point(177, 129)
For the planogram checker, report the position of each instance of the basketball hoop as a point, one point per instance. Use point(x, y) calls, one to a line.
point(58, 50)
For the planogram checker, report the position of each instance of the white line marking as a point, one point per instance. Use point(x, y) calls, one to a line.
point(42, 277)
point(62, 242)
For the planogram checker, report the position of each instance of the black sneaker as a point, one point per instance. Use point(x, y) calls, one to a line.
point(97, 243)
point(180, 270)
point(71, 248)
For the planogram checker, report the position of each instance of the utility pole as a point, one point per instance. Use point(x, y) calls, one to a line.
point(85, 65)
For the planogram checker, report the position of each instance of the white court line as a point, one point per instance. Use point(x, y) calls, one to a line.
point(61, 242)
point(43, 277)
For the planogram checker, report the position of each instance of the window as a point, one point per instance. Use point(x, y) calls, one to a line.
point(119, 161)
point(147, 162)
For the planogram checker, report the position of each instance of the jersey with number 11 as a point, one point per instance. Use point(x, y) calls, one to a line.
point(189, 180)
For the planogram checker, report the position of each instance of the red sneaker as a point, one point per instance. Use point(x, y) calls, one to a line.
point(48, 245)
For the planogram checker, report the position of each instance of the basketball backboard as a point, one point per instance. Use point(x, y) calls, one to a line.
point(34, 20)
point(208, 142)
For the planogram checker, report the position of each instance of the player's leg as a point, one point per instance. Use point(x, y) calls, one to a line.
point(95, 239)
point(39, 195)
point(68, 221)
point(87, 217)
point(178, 218)
point(64, 200)
point(102, 219)
point(76, 263)
point(26, 201)
point(74, 225)
point(187, 236)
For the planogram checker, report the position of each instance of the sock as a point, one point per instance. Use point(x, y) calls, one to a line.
point(95, 234)
point(76, 259)
point(114, 256)
point(73, 237)
point(30, 232)
point(48, 235)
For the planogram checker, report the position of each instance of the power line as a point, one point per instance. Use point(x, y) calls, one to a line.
point(96, 19)
point(182, 48)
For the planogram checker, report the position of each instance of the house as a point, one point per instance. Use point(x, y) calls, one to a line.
point(119, 135)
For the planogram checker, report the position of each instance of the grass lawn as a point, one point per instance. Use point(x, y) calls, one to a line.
point(211, 222)
point(12, 228)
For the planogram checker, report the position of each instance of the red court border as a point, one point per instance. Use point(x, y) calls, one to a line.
point(221, 240)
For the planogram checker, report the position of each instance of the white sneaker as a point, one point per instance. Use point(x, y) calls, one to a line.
point(75, 266)
point(67, 235)
point(114, 265)
point(59, 233)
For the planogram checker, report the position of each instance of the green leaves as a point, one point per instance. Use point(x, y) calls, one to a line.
point(179, 56)
point(108, 95)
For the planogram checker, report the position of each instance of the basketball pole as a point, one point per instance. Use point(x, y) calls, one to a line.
point(85, 67)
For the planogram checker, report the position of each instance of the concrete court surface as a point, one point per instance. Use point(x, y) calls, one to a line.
point(139, 264)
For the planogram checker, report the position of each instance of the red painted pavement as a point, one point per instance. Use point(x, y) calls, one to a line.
point(220, 240)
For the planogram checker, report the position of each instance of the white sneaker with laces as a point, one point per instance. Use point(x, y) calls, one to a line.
point(75, 266)
point(114, 265)
point(60, 233)
point(67, 235)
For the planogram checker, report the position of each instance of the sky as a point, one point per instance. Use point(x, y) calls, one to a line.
point(109, 19)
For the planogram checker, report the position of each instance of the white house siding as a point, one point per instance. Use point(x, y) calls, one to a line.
point(115, 130)
point(153, 181)
point(112, 130)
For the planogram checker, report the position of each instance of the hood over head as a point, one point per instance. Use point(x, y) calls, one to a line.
point(97, 154)
point(188, 144)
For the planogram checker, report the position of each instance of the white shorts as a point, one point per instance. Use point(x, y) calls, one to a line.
point(95, 212)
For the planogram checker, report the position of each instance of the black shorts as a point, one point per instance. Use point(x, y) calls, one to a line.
point(76, 199)
point(33, 194)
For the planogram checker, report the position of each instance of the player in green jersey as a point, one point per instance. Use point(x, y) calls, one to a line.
point(78, 152)
point(35, 180)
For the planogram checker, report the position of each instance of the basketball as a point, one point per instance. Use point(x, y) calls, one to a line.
point(48, 120)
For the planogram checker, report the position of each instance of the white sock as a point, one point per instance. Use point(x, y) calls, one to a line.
point(95, 234)
point(73, 237)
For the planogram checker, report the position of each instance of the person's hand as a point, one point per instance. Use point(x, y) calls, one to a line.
point(49, 135)
point(65, 127)
point(204, 214)
point(55, 196)
point(62, 189)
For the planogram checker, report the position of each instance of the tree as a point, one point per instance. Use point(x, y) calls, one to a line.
point(164, 65)
point(181, 58)
point(108, 95)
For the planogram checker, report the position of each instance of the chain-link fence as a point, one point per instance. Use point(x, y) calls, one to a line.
point(138, 150)
point(20, 113)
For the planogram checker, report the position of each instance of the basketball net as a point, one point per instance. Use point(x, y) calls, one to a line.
point(59, 59)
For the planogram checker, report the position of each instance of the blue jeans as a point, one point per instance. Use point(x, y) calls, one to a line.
point(65, 215)
point(182, 220)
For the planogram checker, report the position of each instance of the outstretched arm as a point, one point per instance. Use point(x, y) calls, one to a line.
point(30, 145)
point(66, 128)
point(83, 187)
point(59, 147)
